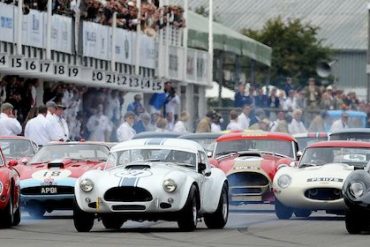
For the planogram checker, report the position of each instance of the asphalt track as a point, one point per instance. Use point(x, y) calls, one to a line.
point(249, 227)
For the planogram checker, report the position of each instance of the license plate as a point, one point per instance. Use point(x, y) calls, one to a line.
point(247, 198)
point(49, 190)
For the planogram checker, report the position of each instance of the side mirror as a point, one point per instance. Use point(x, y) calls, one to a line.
point(299, 155)
point(12, 163)
point(201, 167)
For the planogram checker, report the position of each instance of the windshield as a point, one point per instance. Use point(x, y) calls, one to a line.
point(17, 148)
point(275, 146)
point(306, 141)
point(355, 136)
point(319, 156)
point(71, 151)
point(124, 157)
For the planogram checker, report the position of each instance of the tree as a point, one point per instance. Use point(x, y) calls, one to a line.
point(296, 50)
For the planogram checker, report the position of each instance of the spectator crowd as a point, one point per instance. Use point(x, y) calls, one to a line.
point(293, 110)
point(71, 112)
point(151, 17)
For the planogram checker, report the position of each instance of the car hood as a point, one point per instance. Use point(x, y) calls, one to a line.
point(266, 164)
point(325, 174)
point(58, 169)
point(143, 175)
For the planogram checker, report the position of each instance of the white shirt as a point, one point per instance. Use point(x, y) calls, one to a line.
point(172, 105)
point(243, 121)
point(296, 127)
point(58, 128)
point(215, 127)
point(338, 125)
point(180, 127)
point(9, 126)
point(125, 132)
point(36, 130)
point(233, 125)
point(98, 125)
point(289, 104)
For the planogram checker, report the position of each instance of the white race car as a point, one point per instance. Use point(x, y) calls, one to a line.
point(153, 179)
point(316, 184)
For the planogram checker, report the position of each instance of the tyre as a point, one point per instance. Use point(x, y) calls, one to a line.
point(353, 223)
point(303, 213)
point(83, 221)
point(17, 217)
point(282, 212)
point(7, 215)
point(218, 219)
point(36, 210)
point(112, 221)
point(189, 214)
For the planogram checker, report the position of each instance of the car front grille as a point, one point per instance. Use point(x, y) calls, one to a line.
point(127, 194)
point(323, 194)
point(247, 179)
point(48, 190)
point(248, 184)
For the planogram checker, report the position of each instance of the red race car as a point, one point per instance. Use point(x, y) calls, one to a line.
point(9, 193)
point(48, 179)
point(250, 160)
point(18, 148)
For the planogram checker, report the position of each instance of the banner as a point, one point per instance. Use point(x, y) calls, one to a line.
point(96, 39)
point(124, 47)
point(190, 65)
point(7, 22)
point(147, 51)
point(202, 66)
point(61, 33)
point(173, 64)
point(33, 29)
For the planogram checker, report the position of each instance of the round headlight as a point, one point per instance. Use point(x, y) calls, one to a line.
point(1, 188)
point(86, 185)
point(284, 181)
point(357, 189)
point(169, 185)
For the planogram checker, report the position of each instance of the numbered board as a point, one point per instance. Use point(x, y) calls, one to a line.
point(126, 81)
point(47, 69)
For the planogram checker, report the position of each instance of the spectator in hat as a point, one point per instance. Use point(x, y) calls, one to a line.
point(57, 126)
point(341, 123)
point(136, 106)
point(9, 125)
point(36, 128)
point(205, 123)
point(125, 131)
